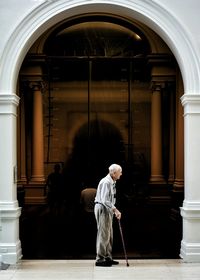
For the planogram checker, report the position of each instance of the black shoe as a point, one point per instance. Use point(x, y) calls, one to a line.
point(102, 263)
point(112, 262)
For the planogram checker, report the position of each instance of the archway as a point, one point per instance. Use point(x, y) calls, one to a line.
point(42, 18)
point(103, 76)
point(150, 13)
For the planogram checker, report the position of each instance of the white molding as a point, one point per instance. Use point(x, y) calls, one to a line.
point(190, 214)
point(8, 205)
point(190, 209)
point(10, 213)
point(190, 252)
point(10, 253)
point(191, 103)
point(47, 13)
point(191, 204)
point(8, 104)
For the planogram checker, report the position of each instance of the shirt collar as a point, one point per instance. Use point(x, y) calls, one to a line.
point(111, 180)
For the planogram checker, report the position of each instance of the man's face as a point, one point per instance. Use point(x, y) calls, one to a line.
point(117, 174)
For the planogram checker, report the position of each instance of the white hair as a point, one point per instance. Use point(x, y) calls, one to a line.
point(114, 167)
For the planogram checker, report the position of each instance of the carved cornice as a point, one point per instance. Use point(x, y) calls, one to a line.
point(191, 103)
point(8, 103)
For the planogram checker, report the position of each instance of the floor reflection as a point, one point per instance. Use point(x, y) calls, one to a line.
point(150, 231)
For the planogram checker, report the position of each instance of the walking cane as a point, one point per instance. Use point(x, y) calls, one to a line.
point(125, 254)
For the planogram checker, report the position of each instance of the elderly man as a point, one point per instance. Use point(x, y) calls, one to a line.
point(104, 210)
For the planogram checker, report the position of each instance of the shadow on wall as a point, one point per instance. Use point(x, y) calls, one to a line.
point(95, 147)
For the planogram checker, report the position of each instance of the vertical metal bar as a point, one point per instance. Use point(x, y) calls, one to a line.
point(129, 111)
point(49, 114)
point(89, 105)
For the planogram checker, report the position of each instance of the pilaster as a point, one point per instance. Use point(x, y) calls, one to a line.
point(190, 211)
point(10, 246)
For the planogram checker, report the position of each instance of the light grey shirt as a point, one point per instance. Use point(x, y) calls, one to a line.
point(106, 192)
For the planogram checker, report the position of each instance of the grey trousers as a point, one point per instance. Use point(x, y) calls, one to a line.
point(104, 241)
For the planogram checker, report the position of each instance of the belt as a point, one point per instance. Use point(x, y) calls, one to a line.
point(99, 203)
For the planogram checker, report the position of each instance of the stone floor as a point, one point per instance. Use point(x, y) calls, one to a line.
point(165, 269)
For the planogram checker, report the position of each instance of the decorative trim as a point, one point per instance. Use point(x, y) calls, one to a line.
point(8, 104)
point(10, 253)
point(8, 205)
point(188, 204)
point(190, 214)
point(10, 213)
point(190, 252)
point(190, 210)
point(47, 13)
point(191, 103)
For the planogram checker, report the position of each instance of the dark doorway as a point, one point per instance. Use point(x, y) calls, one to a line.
point(97, 110)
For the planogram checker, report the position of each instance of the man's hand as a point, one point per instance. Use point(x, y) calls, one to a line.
point(117, 214)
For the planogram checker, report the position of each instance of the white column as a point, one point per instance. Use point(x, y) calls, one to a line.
point(10, 246)
point(190, 211)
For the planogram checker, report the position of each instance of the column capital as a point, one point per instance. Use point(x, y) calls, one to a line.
point(9, 99)
point(191, 103)
point(37, 85)
point(157, 86)
point(8, 104)
point(162, 68)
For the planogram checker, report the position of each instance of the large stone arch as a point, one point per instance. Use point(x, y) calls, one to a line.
point(45, 15)
point(150, 13)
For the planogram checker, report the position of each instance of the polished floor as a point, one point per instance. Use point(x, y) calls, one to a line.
point(173, 269)
point(149, 231)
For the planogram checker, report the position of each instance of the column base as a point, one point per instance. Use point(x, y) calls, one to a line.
point(10, 245)
point(22, 181)
point(159, 193)
point(171, 179)
point(190, 245)
point(35, 193)
point(190, 252)
point(10, 253)
point(157, 179)
point(178, 185)
point(37, 179)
